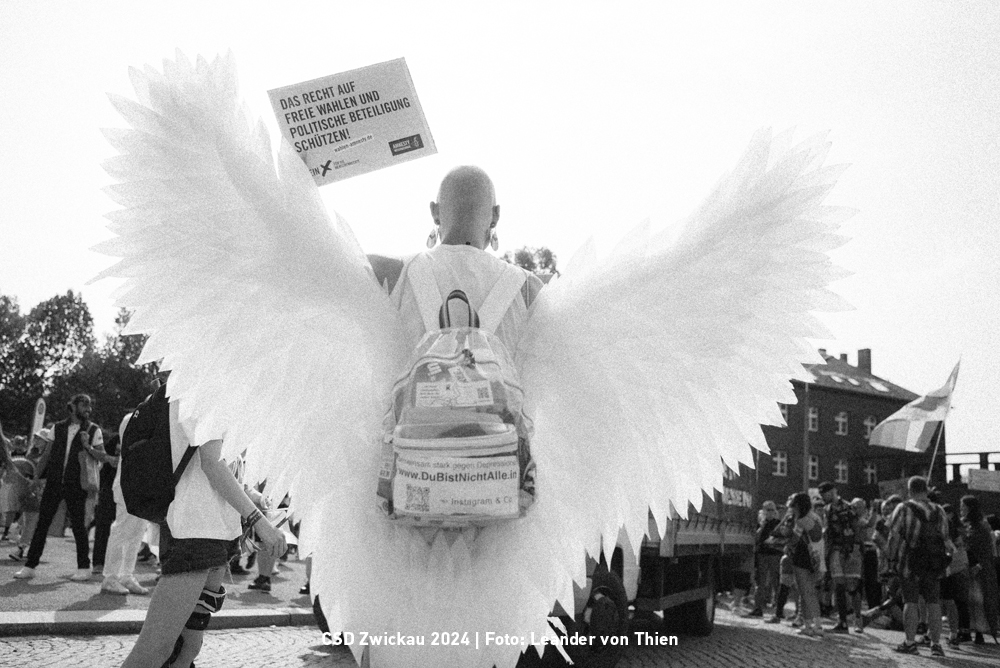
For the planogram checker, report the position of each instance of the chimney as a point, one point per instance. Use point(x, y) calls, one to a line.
point(865, 360)
point(843, 357)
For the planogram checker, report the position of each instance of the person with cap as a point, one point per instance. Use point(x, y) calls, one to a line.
point(842, 551)
point(767, 559)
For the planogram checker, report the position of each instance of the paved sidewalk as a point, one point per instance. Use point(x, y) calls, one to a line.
point(735, 642)
point(51, 603)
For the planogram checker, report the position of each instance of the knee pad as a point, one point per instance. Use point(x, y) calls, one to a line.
point(209, 602)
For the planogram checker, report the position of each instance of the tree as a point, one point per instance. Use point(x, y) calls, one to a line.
point(37, 348)
point(539, 261)
point(11, 325)
point(61, 331)
point(109, 375)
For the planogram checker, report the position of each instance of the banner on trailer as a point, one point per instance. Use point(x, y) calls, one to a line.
point(354, 122)
point(982, 480)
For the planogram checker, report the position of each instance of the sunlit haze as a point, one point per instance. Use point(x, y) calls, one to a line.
point(590, 117)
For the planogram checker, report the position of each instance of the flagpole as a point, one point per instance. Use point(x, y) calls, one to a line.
point(937, 442)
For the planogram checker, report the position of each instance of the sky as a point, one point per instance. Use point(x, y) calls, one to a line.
point(590, 117)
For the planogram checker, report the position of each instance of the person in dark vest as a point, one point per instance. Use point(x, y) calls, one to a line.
point(61, 470)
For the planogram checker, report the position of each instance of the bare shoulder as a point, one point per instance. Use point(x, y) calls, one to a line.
point(387, 269)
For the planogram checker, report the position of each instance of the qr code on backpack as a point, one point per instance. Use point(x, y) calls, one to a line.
point(418, 499)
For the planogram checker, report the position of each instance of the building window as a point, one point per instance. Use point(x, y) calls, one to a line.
point(841, 420)
point(784, 412)
point(841, 470)
point(814, 467)
point(871, 473)
point(780, 459)
point(813, 419)
point(870, 423)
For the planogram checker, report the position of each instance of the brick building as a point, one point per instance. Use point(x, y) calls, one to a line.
point(831, 422)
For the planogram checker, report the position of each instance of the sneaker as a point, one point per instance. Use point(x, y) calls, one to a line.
point(261, 583)
point(25, 573)
point(907, 648)
point(18, 555)
point(774, 620)
point(841, 627)
point(936, 650)
point(81, 575)
point(133, 586)
point(113, 586)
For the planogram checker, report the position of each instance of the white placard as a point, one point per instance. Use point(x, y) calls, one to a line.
point(354, 122)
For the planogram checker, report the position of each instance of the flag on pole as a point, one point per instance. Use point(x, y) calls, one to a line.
point(912, 427)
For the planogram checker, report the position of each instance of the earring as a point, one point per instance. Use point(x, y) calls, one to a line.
point(432, 237)
point(494, 242)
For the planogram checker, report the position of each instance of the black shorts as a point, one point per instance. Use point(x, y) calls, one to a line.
point(921, 584)
point(188, 555)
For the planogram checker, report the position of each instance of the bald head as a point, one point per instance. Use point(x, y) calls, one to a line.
point(466, 208)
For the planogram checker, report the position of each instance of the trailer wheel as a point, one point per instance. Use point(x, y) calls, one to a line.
point(699, 616)
point(606, 615)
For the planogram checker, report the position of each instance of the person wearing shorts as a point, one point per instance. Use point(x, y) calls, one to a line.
point(916, 582)
point(197, 540)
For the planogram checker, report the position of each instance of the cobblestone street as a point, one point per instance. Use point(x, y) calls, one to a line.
point(735, 642)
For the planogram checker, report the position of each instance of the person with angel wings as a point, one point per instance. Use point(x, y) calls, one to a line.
point(642, 370)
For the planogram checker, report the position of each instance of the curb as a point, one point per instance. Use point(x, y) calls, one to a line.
point(108, 622)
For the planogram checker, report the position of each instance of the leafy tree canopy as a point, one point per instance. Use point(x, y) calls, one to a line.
point(540, 261)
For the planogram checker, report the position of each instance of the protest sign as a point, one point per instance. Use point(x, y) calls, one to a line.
point(354, 122)
point(38, 421)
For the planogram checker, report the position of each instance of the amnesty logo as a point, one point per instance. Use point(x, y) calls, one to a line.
point(406, 144)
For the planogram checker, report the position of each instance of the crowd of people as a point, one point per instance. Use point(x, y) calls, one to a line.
point(203, 537)
point(913, 562)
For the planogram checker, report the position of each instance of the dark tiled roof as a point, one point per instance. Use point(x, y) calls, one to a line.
point(837, 373)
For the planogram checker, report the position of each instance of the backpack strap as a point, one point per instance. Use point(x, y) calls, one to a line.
point(188, 454)
point(501, 296)
point(425, 289)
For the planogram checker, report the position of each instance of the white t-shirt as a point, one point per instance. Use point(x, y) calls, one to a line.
point(116, 486)
point(472, 270)
point(71, 432)
point(198, 511)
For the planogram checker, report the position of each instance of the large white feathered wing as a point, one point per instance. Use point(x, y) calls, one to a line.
point(267, 313)
point(650, 368)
